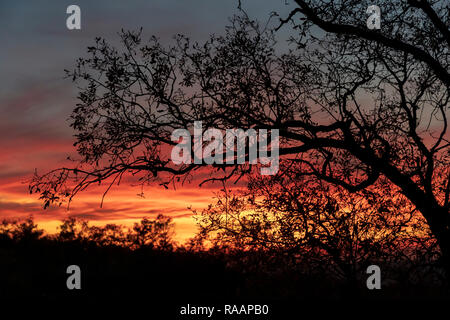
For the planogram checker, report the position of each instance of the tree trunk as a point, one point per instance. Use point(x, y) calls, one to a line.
point(438, 220)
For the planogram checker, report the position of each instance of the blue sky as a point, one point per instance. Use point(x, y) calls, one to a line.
point(37, 46)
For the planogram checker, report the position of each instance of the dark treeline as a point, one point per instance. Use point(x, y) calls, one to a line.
point(145, 261)
point(114, 261)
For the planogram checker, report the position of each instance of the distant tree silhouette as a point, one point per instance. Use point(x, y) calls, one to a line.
point(24, 231)
point(148, 233)
point(156, 233)
point(107, 235)
point(72, 229)
point(353, 105)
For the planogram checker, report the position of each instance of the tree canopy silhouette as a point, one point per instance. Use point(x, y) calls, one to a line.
point(353, 105)
point(328, 230)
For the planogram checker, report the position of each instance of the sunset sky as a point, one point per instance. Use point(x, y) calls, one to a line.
point(36, 100)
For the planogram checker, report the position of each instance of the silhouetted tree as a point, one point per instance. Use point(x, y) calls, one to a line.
point(156, 233)
point(21, 230)
point(107, 235)
point(353, 105)
point(151, 233)
point(325, 230)
point(72, 229)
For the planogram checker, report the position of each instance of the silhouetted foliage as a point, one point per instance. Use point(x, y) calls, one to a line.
point(20, 231)
point(324, 231)
point(154, 234)
point(353, 105)
point(365, 151)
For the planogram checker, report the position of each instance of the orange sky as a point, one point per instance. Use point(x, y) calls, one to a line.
point(122, 205)
point(32, 143)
